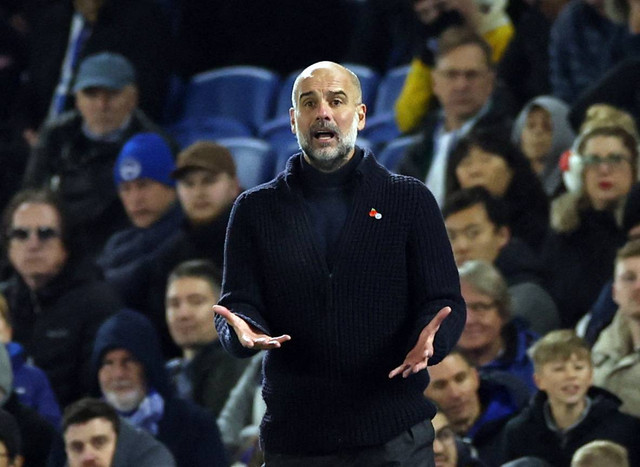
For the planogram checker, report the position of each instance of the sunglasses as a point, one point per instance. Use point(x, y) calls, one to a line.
point(43, 233)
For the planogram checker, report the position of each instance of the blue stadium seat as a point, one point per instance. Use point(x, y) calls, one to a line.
point(389, 89)
point(381, 129)
point(255, 159)
point(189, 131)
point(245, 93)
point(277, 131)
point(283, 103)
point(369, 79)
point(392, 153)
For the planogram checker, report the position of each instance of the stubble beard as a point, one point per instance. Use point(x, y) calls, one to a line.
point(329, 159)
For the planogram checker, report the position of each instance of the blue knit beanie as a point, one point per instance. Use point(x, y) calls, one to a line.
point(145, 155)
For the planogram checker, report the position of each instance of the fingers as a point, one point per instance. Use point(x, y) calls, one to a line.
point(439, 317)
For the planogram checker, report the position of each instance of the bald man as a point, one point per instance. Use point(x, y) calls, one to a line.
point(343, 273)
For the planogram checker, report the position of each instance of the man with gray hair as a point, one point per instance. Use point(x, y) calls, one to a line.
point(76, 152)
point(342, 272)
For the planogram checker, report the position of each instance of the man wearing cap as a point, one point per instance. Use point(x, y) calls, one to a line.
point(206, 185)
point(142, 178)
point(70, 31)
point(76, 152)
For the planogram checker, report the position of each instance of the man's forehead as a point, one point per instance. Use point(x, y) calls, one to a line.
point(465, 56)
point(325, 76)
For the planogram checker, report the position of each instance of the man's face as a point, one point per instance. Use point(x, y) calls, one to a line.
point(145, 200)
point(474, 236)
point(105, 110)
point(444, 445)
point(463, 82)
point(205, 195)
point(485, 169)
point(536, 137)
point(35, 248)
point(90, 444)
point(189, 315)
point(626, 287)
point(327, 116)
point(454, 387)
point(608, 173)
point(481, 334)
point(565, 381)
point(122, 380)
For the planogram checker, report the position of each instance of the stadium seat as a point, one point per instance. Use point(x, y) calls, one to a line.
point(389, 89)
point(369, 79)
point(254, 158)
point(191, 130)
point(242, 92)
point(392, 153)
point(381, 129)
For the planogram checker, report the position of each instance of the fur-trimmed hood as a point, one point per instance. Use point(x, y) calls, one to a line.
point(567, 211)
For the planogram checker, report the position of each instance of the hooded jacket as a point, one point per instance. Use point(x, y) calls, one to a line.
point(562, 138)
point(190, 432)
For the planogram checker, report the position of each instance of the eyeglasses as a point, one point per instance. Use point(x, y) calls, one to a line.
point(468, 75)
point(43, 233)
point(480, 307)
point(612, 160)
point(445, 435)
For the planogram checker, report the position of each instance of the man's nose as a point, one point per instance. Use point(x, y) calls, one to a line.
point(323, 111)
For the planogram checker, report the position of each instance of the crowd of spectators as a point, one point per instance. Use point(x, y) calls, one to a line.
point(522, 116)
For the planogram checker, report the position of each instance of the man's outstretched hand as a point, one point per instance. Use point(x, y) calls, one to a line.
point(247, 335)
point(418, 357)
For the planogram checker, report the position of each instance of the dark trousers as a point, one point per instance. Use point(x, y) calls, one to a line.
point(412, 448)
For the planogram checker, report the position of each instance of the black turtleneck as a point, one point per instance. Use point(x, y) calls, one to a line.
point(328, 198)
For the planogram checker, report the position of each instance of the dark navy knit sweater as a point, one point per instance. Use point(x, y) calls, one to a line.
point(327, 389)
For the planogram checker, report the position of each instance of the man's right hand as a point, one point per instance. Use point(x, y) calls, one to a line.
point(248, 336)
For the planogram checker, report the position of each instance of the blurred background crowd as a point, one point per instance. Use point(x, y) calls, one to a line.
point(129, 127)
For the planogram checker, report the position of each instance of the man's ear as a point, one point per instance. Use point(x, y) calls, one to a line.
point(18, 461)
point(292, 120)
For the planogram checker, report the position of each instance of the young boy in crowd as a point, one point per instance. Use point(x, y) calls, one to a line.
point(567, 412)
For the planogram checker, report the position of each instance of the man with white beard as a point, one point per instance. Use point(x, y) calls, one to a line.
point(129, 370)
point(343, 273)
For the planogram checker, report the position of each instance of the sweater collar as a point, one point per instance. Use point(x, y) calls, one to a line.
point(314, 178)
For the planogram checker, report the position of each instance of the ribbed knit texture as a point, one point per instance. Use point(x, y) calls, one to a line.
point(327, 389)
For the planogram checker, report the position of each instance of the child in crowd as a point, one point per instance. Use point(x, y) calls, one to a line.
point(567, 412)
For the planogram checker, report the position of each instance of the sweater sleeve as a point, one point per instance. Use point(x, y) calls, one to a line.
point(433, 276)
point(241, 284)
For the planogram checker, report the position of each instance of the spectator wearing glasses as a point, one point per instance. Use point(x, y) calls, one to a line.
point(464, 83)
point(491, 339)
point(586, 223)
point(55, 296)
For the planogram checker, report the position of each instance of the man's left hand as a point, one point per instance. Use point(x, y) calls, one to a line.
point(418, 357)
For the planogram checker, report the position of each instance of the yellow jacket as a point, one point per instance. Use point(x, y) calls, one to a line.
point(414, 99)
